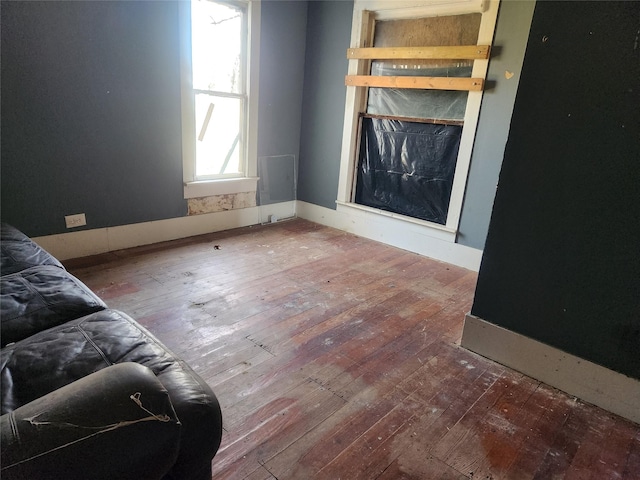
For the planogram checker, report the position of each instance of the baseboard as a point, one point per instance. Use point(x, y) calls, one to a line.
point(391, 231)
point(83, 243)
point(588, 381)
point(409, 236)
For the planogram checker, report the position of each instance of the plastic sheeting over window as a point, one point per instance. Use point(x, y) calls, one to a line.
point(407, 167)
point(434, 104)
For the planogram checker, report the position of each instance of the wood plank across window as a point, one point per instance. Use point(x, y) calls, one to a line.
point(459, 52)
point(425, 83)
point(456, 52)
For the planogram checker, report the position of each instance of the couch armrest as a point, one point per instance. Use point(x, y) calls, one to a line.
point(115, 423)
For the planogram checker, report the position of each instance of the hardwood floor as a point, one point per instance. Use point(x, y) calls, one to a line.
point(336, 357)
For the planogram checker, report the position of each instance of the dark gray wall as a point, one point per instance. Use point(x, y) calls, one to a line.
point(68, 146)
point(510, 42)
point(328, 37)
point(91, 117)
point(561, 263)
point(90, 113)
point(282, 58)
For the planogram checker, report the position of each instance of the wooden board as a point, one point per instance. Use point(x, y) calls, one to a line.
point(424, 83)
point(462, 52)
point(450, 30)
point(437, 31)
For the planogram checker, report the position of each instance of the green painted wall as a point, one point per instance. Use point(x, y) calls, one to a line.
point(562, 258)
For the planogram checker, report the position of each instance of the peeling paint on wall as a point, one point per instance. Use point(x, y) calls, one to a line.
point(220, 203)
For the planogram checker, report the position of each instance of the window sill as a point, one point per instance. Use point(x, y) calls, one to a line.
point(430, 229)
point(226, 186)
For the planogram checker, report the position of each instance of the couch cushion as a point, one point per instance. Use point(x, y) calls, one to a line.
point(17, 251)
point(9, 233)
point(52, 358)
point(39, 298)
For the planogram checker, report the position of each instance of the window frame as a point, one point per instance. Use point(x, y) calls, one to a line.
point(220, 184)
point(356, 100)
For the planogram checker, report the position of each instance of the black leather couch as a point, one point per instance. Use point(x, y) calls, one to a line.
point(87, 392)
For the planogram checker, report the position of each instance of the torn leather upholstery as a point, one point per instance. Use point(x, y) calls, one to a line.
point(121, 412)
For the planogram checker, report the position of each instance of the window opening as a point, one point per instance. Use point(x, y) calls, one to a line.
point(410, 138)
point(218, 36)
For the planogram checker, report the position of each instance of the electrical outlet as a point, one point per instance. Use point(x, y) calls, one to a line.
point(77, 220)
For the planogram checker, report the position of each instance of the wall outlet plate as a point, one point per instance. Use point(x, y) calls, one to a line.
point(77, 220)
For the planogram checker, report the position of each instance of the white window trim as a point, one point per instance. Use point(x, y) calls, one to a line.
point(219, 186)
point(355, 98)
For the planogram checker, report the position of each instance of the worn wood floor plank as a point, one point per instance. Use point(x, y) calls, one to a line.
point(334, 356)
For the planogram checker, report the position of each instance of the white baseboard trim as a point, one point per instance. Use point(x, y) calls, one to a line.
point(581, 378)
point(389, 230)
point(83, 243)
point(393, 231)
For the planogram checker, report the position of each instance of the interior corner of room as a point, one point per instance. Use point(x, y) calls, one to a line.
point(540, 195)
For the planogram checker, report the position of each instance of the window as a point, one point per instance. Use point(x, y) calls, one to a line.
point(220, 49)
point(410, 137)
point(218, 68)
point(413, 134)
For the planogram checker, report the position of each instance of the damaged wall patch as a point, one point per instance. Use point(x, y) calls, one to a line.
point(220, 203)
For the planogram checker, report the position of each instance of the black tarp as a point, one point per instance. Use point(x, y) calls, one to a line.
point(407, 167)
